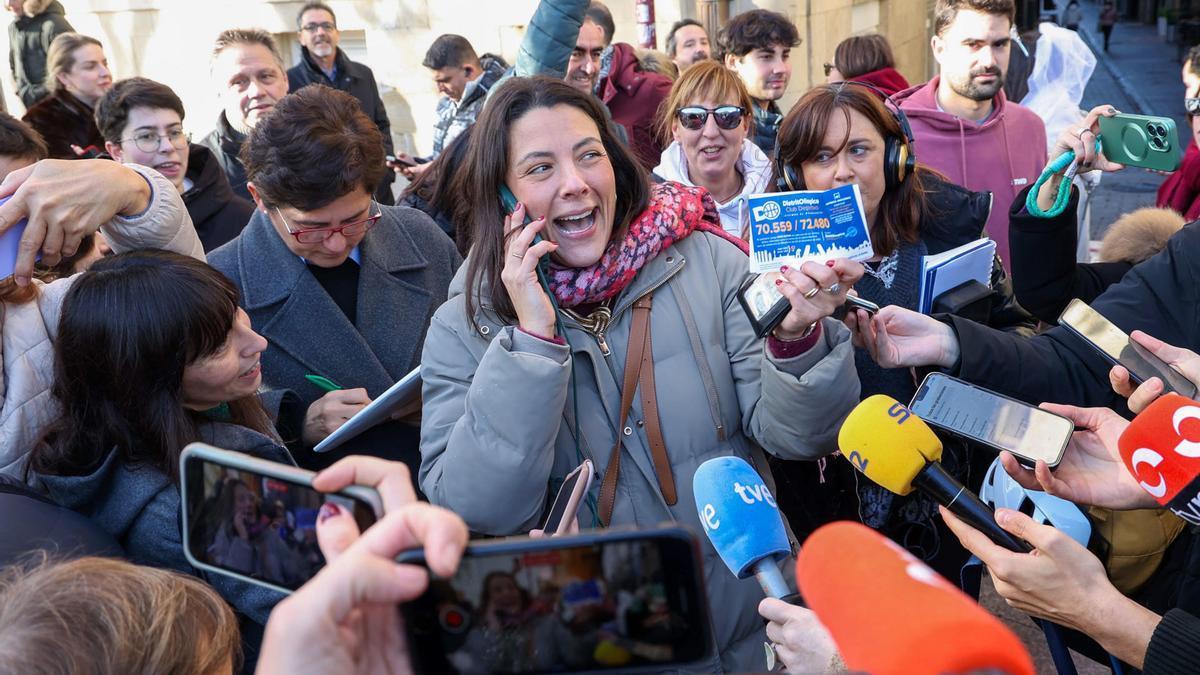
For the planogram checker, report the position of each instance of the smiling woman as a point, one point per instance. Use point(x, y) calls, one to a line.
point(707, 116)
point(152, 354)
point(77, 76)
point(523, 380)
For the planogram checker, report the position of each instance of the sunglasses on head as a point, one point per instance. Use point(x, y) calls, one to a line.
point(694, 117)
point(1192, 105)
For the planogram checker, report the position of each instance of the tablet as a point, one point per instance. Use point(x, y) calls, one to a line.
point(378, 411)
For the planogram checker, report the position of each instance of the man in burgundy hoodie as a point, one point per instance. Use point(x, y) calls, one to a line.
point(961, 121)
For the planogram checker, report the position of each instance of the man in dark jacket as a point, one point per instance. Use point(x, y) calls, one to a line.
point(339, 286)
point(36, 25)
point(758, 46)
point(248, 73)
point(464, 79)
point(142, 123)
point(323, 62)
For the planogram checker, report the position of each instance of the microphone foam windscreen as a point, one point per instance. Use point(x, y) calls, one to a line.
point(890, 613)
point(739, 514)
point(1161, 448)
point(884, 440)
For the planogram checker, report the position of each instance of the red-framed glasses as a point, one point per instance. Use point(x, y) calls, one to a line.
point(316, 235)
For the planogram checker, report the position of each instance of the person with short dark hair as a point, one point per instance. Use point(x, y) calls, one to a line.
point(36, 24)
point(867, 59)
point(323, 61)
point(142, 123)
point(339, 285)
point(247, 70)
point(962, 121)
point(463, 78)
point(758, 46)
point(612, 72)
point(77, 78)
point(20, 145)
point(687, 43)
point(599, 14)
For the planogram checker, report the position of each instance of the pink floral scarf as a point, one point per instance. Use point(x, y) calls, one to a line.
point(675, 211)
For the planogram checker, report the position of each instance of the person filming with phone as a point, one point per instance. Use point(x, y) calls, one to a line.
point(516, 391)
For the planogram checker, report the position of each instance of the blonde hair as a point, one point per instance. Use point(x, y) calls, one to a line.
point(705, 79)
point(60, 58)
point(102, 615)
point(654, 61)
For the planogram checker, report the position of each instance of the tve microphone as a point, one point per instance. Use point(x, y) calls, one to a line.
point(1161, 448)
point(894, 448)
point(742, 521)
point(890, 613)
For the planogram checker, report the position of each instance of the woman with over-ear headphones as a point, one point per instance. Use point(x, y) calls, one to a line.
point(841, 134)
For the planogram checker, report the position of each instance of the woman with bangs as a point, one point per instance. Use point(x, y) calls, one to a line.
point(844, 134)
point(707, 117)
point(152, 353)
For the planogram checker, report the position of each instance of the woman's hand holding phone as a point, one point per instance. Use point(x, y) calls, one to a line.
point(1080, 140)
point(815, 291)
point(345, 619)
point(1185, 361)
point(535, 312)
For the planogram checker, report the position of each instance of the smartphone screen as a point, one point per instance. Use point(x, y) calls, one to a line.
point(609, 601)
point(997, 421)
point(257, 526)
point(1116, 346)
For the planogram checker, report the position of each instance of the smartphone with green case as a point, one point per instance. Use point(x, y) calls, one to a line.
point(1145, 141)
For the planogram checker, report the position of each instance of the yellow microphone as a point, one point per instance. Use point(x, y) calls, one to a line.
point(893, 447)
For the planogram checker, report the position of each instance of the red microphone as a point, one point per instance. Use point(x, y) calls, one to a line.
point(1161, 448)
point(890, 613)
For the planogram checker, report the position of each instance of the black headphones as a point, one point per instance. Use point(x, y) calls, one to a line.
point(898, 157)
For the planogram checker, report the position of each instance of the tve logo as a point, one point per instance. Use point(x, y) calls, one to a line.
point(749, 495)
point(754, 493)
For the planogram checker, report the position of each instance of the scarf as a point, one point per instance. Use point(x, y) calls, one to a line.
point(675, 211)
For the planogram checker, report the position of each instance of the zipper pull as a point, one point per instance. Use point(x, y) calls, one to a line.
point(603, 344)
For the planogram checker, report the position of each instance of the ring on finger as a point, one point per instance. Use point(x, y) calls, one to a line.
point(1079, 134)
point(518, 256)
point(812, 293)
point(834, 288)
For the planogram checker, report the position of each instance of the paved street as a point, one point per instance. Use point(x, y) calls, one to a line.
point(1140, 74)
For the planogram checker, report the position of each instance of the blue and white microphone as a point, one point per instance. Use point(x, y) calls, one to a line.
point(742, 521)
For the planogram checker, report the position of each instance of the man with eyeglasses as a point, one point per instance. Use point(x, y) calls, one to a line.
point(322, 61)
point(1181, 190)
point(142, 123)
point(341, 287)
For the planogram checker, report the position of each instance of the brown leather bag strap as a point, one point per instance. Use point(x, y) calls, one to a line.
point(633, 364)
point(658, 446)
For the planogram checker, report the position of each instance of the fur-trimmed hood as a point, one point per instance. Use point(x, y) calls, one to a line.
point(1139, 235)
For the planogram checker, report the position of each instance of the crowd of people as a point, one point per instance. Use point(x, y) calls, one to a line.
point(563, 266)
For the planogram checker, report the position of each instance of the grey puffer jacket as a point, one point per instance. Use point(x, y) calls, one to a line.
point(497, 431)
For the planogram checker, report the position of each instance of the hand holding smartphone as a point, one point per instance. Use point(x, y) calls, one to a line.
point(573, 492)
point(256, 520)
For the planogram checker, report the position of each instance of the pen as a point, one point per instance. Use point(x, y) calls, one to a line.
point(324, 383)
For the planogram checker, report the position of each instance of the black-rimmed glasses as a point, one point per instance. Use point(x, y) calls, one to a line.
point(695, 117)
point(316, 235)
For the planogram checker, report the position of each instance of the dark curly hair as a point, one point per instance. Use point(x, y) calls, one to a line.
point(756, 29)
